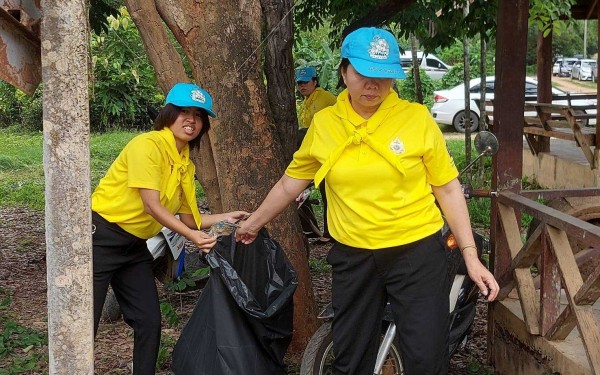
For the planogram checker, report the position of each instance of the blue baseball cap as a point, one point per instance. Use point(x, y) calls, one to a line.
point(305, 74)
point(373, 53)
point(190, 95)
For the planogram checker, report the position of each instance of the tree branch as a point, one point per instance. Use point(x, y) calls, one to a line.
point(380, 14)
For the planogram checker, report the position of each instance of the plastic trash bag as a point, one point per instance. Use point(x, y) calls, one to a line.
point(242, 323)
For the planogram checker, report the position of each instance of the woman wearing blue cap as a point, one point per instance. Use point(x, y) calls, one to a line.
point(385, 164)
point(150, 182)
point(315, 98)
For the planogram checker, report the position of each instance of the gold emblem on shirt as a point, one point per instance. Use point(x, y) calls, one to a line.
point(397, 146)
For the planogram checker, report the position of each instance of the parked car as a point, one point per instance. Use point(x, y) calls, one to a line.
point(582, 69)
point(449, 105)
point(434, 67)
point(566, 64)
point(556, 69)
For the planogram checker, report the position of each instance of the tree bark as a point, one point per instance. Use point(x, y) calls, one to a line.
point(163, 56)
point(222, 40)
point(416, 71)
point(279, 71)
point(65, 43)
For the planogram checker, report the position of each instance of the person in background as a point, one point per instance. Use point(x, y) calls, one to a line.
point(150, 182)
point(315, 99)
point(386, 165)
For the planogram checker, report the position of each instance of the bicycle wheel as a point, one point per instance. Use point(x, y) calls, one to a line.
point(318, 356)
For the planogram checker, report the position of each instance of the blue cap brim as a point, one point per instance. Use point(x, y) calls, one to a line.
point(192, 103)
point(374, 70)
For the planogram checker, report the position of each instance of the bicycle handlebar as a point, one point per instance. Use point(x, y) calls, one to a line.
point(478, 193)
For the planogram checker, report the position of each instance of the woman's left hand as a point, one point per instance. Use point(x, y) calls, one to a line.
point(482, 277)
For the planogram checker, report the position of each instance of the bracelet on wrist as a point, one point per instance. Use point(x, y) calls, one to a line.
point(468, 246)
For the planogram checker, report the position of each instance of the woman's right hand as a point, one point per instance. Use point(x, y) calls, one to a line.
point(202, 240)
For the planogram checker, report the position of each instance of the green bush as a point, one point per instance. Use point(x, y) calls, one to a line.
point(312, 48)
point(31, 110)
point(123, 87)
point(19, 109)
point(454, 77)
point(124, 81)
point(406, 88)
point(10, 108)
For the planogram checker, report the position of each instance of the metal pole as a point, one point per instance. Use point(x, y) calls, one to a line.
point(65, 46)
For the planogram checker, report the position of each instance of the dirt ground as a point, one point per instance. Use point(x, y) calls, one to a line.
point(23, 277)
point(574, 86)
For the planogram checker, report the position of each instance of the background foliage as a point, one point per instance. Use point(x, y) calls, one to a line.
point(123, 83)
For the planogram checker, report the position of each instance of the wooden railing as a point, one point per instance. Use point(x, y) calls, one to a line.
point(558, 273)
point(562, 122)
point(566, 121)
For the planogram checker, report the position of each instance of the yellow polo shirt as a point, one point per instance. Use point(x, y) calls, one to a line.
point(315, 102)
point(379, 171)
point(146, 163)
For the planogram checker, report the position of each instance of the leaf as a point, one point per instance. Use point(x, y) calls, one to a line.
point(114, 24)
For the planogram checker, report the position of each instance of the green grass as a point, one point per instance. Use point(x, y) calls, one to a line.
point(21, 349)
point(22, 169)
point(479, 208)
point(319, 265)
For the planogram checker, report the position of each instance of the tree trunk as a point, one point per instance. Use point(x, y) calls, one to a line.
point(65, 43)
point(222, 41)
point(279, 71)
point(416, 71)
point(482, 118)
point(544, 78)
point(466, 80)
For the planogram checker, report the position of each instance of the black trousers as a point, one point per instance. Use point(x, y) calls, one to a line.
point(413, 278)
point(123, 261)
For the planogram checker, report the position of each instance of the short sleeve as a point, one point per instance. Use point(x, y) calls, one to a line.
point(439, 164)
point(304, 165)
point(144, 161)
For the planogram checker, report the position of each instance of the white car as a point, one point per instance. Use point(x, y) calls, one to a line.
point(582, 69)
point(556, 69)
point(434, 67)
point(449, 105)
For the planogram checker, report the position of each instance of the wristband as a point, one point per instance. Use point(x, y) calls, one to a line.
point(467, 246)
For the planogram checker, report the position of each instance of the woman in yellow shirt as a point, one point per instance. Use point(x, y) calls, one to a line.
point(315, 98)
point(150, 182)
point(385, 165)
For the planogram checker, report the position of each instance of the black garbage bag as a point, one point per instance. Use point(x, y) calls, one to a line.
point(242, 323)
